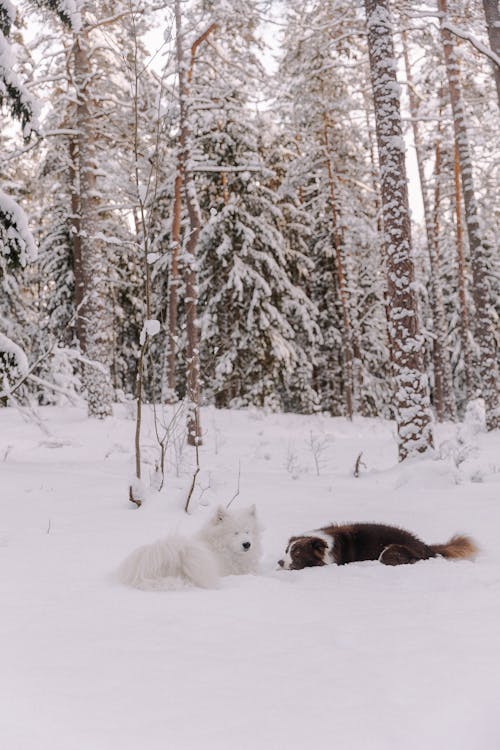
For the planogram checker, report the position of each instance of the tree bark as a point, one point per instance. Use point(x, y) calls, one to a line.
point(412, 407)
point(484, 325)
point(92, 296)
point(492, 14)
point(338, 247)
point(190, 265)
point(173, 277)
point(462, 293)
point(76, 240)
point(444, 398)
point(179, 186)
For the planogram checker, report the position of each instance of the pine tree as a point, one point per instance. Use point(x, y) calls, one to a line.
point(253, 314)
point(444, 398)
point(321, 103)
point(492, 15)
point(411, 388)
point(256, 321)
point(16, 241)
point(484, 326)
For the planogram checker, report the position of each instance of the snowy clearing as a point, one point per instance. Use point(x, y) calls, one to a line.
point(363, 657)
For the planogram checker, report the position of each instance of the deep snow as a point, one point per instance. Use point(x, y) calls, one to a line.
point(362, 657)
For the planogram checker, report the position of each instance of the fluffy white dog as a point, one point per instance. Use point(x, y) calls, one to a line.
point(228, 544)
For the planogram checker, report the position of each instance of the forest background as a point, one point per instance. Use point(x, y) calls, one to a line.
point(187, 224)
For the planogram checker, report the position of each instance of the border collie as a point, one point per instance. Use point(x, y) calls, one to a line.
point(390, 545)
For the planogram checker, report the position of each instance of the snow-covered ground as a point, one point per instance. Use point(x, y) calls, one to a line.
point(360, 657)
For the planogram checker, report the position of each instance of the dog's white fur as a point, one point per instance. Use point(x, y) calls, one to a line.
point(228, 544)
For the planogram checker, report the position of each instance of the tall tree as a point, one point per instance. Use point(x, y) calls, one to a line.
point(411, 386)
point(257, 321)
point(190, 260)
point(492, 14)
point(484, 318)
point(444, 399)
point(321, 106)
point(92, 300)
point(17, 246)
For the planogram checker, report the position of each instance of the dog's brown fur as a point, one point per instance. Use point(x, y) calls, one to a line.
point(369, 541)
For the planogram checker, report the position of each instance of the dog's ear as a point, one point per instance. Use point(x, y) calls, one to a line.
point(318, 544)
point(220, 514)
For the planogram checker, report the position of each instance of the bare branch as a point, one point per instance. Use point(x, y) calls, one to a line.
point(193, 482)
point(358, 464)
point(237, 486)
point(482, 48)
point(136, 501)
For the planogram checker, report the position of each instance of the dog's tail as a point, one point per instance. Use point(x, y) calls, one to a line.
point(169, 564)
point(458, 548)
point(144, 569)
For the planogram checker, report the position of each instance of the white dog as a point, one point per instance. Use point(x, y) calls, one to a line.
point(228, 544)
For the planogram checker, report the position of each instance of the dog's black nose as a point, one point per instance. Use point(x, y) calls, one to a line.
point(246, 545)
point(281, 563)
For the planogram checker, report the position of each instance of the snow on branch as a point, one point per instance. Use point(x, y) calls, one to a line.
point(11, 349)
point(215, 168)
point(69, 11)
point(482, 48)
point(14, 232)
point(12, 90)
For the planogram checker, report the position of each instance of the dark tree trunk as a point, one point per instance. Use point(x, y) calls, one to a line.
point(444, 398)
point(190, 265)
point(338, 242)
point(492, 13)
point(462, 283)
point(484, 325)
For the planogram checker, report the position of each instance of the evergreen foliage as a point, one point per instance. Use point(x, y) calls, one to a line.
point(294, 259)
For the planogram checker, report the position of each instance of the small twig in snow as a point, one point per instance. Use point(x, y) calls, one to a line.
point(193, 482)
point(358, 464)
point(237, 486)
point(136, 501)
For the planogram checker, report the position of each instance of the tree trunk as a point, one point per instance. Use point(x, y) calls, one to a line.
point(190, 272)
point(91, 272)
point(484, 325)
point(76, 240)
point(411, 387)
point(462, 294)
point(173, 279)
point(444, 397)
point(338, 247)
point(179, 187)
point(374, 171)
point(492, 13)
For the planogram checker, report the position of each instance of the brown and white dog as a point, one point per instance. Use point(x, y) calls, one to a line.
point(390, 545)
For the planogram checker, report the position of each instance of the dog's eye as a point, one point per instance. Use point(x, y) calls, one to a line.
point(236, 533)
